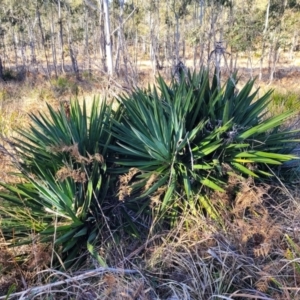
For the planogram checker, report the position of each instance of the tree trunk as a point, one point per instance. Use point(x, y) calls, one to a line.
point(15, 44)
point(43, 42)
point(293, 44)
point(264, 40)
point(152, 42)
point(1, 69)
point(177, 39)
point(71, 49)
point(274, 58)
point(53, 48)
point(23, 50)
point(261, 61)
point(108, 47)
point(102, 48)
point(31, 44)
point(61, 38)
point(250, 63)
point(201, 41)
point(86, 42)
point(119, 46)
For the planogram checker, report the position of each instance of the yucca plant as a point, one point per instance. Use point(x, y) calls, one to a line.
point(161, 151)
point(65, 196)
point(251, 138)
point(184, 139)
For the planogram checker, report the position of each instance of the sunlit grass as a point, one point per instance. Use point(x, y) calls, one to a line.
point(281, 102)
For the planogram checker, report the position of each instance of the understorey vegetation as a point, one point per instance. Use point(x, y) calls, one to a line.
point(175, 181)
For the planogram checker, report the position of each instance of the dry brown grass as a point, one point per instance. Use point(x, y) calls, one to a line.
point(249, 259)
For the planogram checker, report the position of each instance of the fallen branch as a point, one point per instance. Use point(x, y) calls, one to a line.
point(86, 274)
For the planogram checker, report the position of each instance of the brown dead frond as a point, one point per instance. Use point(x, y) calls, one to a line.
point(63, 173)
point(257, 236)
point(262, 284)
point(157, 195)
point(66, 106)
point(249, 198)
point(79, 176)
point(124, 191)
point(66, 172)
point(255, 229)
point(124, 188)
point(111, 281)
point(262, 249)
point(98, 157)
point(39, 258)
point(126, 178)
point(139, 290)
point(150, 181)
point(74, 152)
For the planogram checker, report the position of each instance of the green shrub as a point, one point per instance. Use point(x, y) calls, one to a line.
point(185, 139)
point(65, 196)
point(284, 101)
point(89, 176)
point(63, 85)
point(9, 75)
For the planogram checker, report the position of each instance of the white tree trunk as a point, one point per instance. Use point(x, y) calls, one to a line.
point(267, 17)
point(109, 58)
point(264, 40)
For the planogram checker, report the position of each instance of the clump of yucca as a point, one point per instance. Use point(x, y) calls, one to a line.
point(161, 152)
point(186, 138)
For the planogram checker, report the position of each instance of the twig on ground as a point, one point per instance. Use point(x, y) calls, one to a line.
point(86, 274)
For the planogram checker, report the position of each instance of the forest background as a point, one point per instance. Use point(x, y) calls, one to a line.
point(120, 37)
